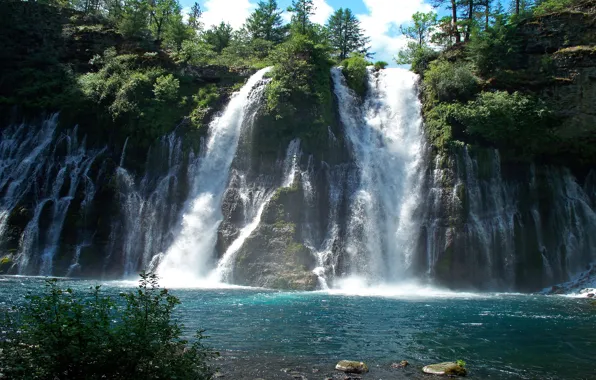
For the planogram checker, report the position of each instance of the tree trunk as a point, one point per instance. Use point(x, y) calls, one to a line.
point(454, 21)
point(470, 19)
point(487, 14)
point(517, 7)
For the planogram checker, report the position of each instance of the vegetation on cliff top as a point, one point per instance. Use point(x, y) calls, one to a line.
point(137, 68)
point(484, 87)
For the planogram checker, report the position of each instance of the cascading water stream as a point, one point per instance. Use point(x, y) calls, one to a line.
point(191, 254)
point(385, 136)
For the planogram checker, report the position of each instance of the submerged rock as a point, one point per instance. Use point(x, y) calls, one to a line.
point(402, 364)
point(350, 366)
point(445, 369)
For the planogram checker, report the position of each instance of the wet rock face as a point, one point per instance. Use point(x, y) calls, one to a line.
point(549, 33)
point(273, 255)
point(492, 226)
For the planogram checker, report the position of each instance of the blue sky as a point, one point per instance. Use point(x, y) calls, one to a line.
point(380, 19)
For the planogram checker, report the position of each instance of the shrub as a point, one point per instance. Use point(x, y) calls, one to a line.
point(419, 57)
point(64, 335)
point(166, 88)
point(448, 81)
point(553, 6)
point(194, 52)
point(380, 65)
point(354, 69)
point(512, 121)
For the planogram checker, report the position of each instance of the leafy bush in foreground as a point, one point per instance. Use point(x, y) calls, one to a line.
point(64, 335)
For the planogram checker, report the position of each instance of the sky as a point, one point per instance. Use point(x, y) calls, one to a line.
point(380, 19)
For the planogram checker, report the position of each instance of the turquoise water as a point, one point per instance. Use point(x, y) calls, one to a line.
point(500, 336)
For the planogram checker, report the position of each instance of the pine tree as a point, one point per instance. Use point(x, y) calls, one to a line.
point(302, 10)
point(345, 33)
point(219, 36)
point(194, 17)
point(266, 22)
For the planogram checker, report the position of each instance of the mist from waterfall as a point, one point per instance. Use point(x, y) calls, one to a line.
point(385, 137)
point(191, 255)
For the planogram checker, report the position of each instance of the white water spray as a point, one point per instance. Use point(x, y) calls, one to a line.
point(191, 254)
point(386, 138)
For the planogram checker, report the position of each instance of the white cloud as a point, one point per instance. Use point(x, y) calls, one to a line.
point(234, 12)
point(382, 23)
point(322, 13)
point(185, 14)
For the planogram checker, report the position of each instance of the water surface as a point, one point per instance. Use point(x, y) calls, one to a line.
point(279, 335)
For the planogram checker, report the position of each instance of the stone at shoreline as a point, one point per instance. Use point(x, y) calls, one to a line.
point(350, 366)
point(445, 369)
point(402, 364)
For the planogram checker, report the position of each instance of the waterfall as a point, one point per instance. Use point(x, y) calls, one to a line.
point(149, 208)
point(491, 225)
point(191, 254)
point(384, 133)
point(46, 173)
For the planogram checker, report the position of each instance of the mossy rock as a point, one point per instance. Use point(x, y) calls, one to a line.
point(445, 369)
point(351, 366)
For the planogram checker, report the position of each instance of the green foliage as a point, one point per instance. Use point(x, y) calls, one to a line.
point(219, 36)
point(447, 81)
point(62, 334)
point(266, 23)
point(166, 88)
point(461, 363)
point(195, 52)
point(301, 12)
point(553, 6)
point(418, 57)
point(354, 70)
point(496, 48)
point(421, 28)
point(515, 122)
point(203, 100)
point(133, 18)
point(380, 65)
point(346, 35)
point(299, 99)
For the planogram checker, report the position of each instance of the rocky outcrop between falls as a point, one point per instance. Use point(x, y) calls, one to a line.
point(273, 255)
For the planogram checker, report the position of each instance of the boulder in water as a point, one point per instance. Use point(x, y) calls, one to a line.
point(402, 364)
point(350, 366)
point(445, 369)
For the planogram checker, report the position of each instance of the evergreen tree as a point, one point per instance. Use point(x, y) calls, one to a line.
point(219, 36)
point(266, 22)
point(194, 17)
point(302, 10)
point(345, 34)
